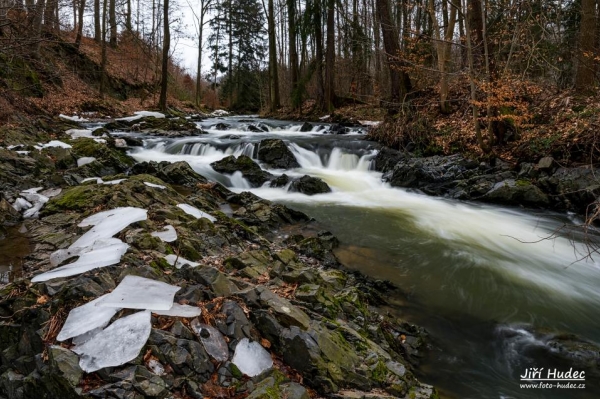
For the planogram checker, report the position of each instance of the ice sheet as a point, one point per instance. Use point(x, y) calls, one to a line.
point(20, 204)
point(117, 344)
point(136, 292)
point(212, 340)
point(251, 358)
point(180, 261)
point(86, 318)
point(74, 118)
point(190, 210)
point(108, 223)
point(104, 252)
point(168, 234)
point(54, 143)
point(77, 133)
point(85, 161)
point(178, 310)
point(141, 114)
point(154, 185)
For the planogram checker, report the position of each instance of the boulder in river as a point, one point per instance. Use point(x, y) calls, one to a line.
point(244, 164)
point(310, 185)
point(517, 192)
point(276, 153)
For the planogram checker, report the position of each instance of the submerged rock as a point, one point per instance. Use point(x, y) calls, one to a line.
point(276, 153)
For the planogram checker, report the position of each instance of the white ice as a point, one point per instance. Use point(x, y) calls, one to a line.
point(74, 118)
point(140, 115)
point(117, 344)
point(97, 179)
point(86, 318)
point(108, 223)
point(219, 112)
point(251, 358)
point(136, 292)
point(36, 200)
point(77, 133)
point(178, 310)
point(85, 160)
point(104, 252)
point(212, 340)
point(12, 147)
point(20, 204)
point(168, 234)
point(23, 152)
point(113, 182)
point(171, 259)
point(55, 143)
point(154, 185)
point(155, 366)
point(51, 192)
point(190, 210)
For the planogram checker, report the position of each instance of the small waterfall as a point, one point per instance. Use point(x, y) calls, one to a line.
point(336, 160)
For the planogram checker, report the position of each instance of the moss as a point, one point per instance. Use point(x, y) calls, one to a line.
point(380, 372)
point(76, 198)
point(522, 183)
point(87, 147)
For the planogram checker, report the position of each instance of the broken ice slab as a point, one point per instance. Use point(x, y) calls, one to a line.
point(251, 358)
point(140, 115)
point(85, 160)
point(37, 201)
point(53, 143)
point(108, 223)
point(168, 234)
point(190, 210)
point(104, 252)
point(212, 340)
point(178, 261)
point(136, 292)
point(154, 185)
point(113, 182)
point(86, 318)
point(178, 310)
point(77, 133)
point(117, 344)
point(20, 204)
point(97, 179)
point(155, 366)
point(74, 118)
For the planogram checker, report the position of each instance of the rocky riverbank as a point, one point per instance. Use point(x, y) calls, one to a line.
point(543, 185)
point(249, 267)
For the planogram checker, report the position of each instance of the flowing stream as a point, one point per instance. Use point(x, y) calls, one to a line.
point(489, 283)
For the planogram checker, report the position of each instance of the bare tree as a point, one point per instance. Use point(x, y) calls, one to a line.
point(162, 102)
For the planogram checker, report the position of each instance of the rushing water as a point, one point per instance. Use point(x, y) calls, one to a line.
point(488, 282)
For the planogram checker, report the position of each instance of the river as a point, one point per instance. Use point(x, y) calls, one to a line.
point(491, 284)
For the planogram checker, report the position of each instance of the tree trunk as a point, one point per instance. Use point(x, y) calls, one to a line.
point(399, 79)
point(97, 29)
point(80, 24)
point(199, 66)
point(162, 102)
point(318, 23)
point(128, 24)
point(113, 23)
point(291, 6)
point(49, 15)
point(585, 76)
point(330, 58)
point(103, 52)
point(273, 76)
point(36, 24)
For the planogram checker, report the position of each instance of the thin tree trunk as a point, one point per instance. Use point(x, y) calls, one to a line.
point(162, 102)
point(273, 75)
point(113, 23)
point(97, 29)
point(80, 24)
point(330, 58)
point(128, 24)
point(291, 6)
point(318, 23)
point(37, 26)
point(199, 67)
point(103, 56)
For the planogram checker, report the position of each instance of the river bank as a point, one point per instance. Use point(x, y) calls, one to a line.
point(237, 266)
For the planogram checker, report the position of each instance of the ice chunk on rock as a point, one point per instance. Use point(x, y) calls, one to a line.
point(37, 201)
point(21, 204)
point(117, 344)
point(74, 118)
point(108, 223)
point(190, 210)
point(178, 310)
point(86, 318)
point(168, 234)
point(55, 143)
point(136, 292)
point(140, 115)
point(212, 340)
point(173, 259)
point(154, 185)
point(78, 133)
point(103, 252)
point(251, 358)
point(85, 160)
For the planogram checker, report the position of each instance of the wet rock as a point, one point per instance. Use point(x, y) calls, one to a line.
point(306, 127)
point(221, 126)
point(244, 164)
point(280, 181)
point(276, 153)
point(572, 188)
point(8, 215)
point(310, 185)
point(286, 313)
point(179, 173)
point(517, 192)
point(257, 128)
point(545, 163)
point(164, 127)
point(65, 363)
point(337, 129)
